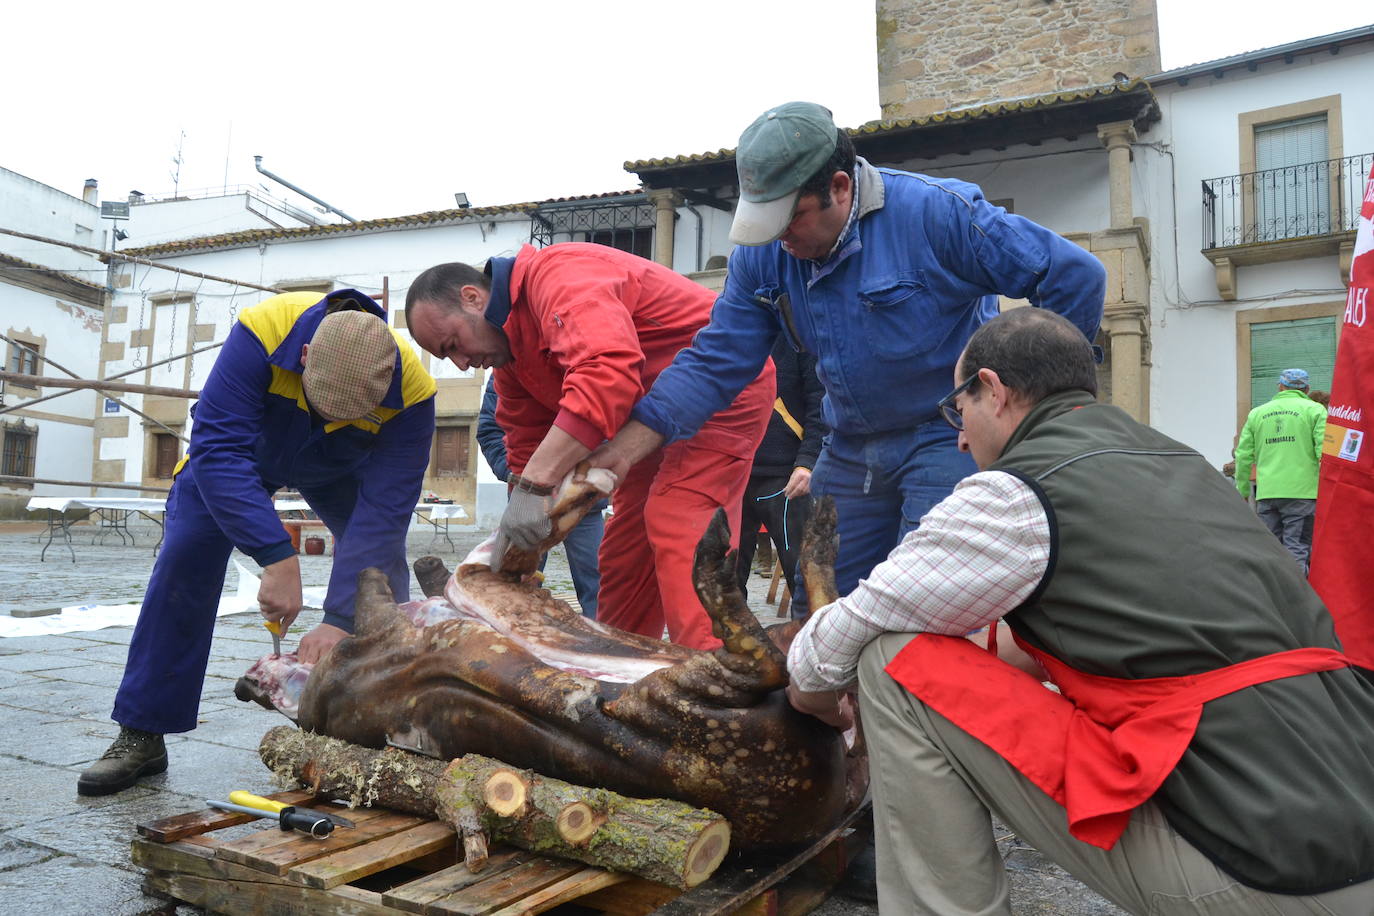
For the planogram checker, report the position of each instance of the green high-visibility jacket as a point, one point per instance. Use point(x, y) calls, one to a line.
point(1282, 439)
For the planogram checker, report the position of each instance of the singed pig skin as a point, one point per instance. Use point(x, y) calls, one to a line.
point(713, 729)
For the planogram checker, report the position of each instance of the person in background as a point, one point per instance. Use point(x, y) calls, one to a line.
point(317, 394)
point(583, 541)
point(1208, 748)
point(779, 492)
point(1282, 441)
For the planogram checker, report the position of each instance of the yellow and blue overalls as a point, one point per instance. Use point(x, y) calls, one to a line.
point(253, 434)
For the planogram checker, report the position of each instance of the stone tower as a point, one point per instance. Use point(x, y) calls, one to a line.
point(934, 55)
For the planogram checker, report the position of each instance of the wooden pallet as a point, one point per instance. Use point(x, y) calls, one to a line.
point(394, 863)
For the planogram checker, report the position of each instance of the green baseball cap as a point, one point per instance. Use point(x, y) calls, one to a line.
point(776, 155)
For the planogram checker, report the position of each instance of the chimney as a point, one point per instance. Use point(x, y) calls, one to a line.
point(90, 194)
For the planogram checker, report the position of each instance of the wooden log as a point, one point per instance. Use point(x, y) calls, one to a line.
point(484, 799)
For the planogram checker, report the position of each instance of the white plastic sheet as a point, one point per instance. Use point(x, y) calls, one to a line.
point(87, 617)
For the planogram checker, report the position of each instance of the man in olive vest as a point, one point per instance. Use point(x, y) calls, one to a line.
point(1282, 439)
point(1208, 746)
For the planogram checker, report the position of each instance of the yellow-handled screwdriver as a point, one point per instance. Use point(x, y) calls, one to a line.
point(249, 800)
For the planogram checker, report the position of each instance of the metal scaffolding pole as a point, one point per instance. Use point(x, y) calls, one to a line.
point(118, 375)
point(61, 368)
point(11, 478)
point(81, 384)
point(116, 256)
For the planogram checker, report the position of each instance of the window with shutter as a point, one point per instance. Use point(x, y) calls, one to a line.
point(1292, 182)
point(18, 450)
point(1306, 343)
point(23, 356)
point(451, 451)
point(167, 452)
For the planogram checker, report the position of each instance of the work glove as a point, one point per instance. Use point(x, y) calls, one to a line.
point(525, 523)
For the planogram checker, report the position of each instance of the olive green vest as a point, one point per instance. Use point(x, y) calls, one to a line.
point(1158, 569)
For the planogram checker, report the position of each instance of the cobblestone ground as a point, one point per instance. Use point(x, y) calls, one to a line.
point(62, 854)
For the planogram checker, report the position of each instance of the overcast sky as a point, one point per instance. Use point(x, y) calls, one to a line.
point(384, 109)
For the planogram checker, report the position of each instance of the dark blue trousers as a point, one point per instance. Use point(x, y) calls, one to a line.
point(165, 671)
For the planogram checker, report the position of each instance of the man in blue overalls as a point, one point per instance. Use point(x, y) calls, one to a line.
point(883, 275)
point(315, 394)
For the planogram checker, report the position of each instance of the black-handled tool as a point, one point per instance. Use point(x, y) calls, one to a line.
point(289, 818)
point(272, 806)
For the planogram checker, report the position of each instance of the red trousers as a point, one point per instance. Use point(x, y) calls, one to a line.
point(663, 507)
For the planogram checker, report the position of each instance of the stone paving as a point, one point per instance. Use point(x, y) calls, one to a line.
point(61, 853)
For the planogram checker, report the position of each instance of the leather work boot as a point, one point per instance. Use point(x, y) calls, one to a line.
point(133, 754)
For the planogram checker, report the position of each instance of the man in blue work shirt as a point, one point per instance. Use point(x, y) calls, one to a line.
point(883, 275)
point(315, 394)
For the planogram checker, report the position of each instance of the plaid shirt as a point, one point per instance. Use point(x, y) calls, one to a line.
point(976, 556)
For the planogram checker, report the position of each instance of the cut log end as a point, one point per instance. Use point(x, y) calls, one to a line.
point(577, 822)
point(505, 793)
point(706, 853)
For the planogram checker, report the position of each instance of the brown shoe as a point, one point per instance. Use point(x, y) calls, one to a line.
point(133, 754)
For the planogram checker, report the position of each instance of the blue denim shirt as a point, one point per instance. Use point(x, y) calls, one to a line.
point(887, 314)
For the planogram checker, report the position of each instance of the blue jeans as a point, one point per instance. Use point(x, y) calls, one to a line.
point(882, 485)
point(581, 546)
point(1290, 520)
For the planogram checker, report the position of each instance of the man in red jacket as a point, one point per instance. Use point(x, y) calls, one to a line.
point(577, 334)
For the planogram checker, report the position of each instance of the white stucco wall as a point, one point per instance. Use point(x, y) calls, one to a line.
point(1059, 184)
point(33, 207)
point(1193, 381)
point(70, 334)
point(156, 222)
point(68, 331)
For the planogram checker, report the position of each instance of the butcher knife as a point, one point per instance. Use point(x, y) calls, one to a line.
point(276, 629)
point(290, 818)
point(273, 806)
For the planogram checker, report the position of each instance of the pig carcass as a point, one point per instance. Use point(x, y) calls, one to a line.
point(518, 675)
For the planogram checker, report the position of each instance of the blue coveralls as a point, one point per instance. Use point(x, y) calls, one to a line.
point(253, 434)
point(887, 315)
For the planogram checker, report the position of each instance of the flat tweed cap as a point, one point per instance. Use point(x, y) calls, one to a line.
point(349, 367)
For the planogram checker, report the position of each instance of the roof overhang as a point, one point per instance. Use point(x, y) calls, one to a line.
point(995, 125)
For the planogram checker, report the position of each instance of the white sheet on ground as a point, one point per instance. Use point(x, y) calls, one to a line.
point(88, 617)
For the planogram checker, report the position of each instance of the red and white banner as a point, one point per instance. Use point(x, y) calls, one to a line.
point(1343, 543)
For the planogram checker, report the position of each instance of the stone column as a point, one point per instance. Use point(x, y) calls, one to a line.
point(1117, 137)
point(665, 201)
point(1125, 327)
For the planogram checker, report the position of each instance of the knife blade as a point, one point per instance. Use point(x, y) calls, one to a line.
point(276, 629)
point(248, 799)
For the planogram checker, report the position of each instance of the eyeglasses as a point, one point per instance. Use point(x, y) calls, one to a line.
point(946, 406)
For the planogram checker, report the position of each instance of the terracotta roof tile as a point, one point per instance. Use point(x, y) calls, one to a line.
point(250, 236)
point(7, 260)
point(431, 217)
point(965, 113)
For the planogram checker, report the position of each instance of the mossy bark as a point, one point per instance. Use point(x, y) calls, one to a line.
point(659, 839)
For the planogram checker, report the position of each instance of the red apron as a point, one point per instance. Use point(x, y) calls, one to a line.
point(1105, 745)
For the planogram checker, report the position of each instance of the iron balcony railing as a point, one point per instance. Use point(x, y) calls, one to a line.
point(1293, 202)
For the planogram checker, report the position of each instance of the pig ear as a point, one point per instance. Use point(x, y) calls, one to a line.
point(374, 610)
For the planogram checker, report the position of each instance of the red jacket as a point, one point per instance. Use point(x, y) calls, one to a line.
point(590, 328)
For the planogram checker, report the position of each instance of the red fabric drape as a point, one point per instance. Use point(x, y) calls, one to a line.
point(1341, 570)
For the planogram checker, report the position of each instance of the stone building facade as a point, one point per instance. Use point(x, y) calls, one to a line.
point(934, 55)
